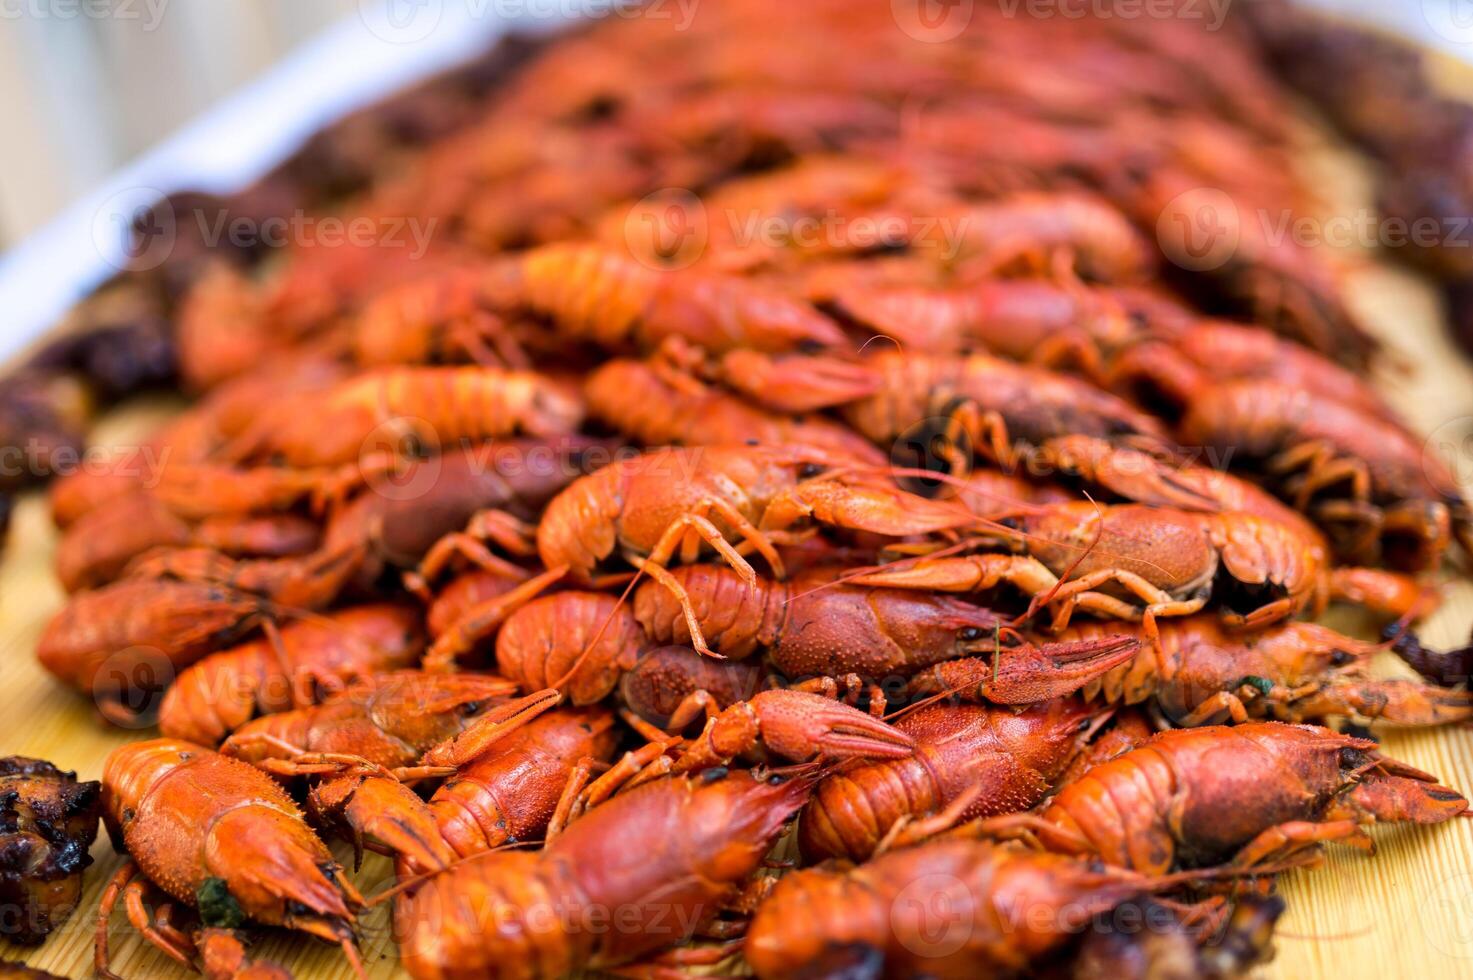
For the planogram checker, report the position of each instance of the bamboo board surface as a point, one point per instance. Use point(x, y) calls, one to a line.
point(1406, 912)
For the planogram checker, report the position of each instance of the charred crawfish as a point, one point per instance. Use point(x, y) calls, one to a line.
point(49, 822)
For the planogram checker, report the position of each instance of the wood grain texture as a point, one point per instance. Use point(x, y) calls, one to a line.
point(1407, 911)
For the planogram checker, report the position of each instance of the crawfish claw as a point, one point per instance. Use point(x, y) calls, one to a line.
point(798, 725)
point(794, 725)
point(1029, 673)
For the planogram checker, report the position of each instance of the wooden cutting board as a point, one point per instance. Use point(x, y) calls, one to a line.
point(1407, 911)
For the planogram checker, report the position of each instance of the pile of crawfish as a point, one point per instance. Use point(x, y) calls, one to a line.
point(811, 504)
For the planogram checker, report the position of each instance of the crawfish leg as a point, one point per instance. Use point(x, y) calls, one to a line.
point(328, 764)
point(852, 685)
point(386, 811)
point(1322, 467)
point(1264, 615)
point(495, 526)
point(297, 761)
point(908, 830)
point(696, 704)
point(476, 335)
point(1287, 839)
point(1031, 828)
point(1070, 350)
point(974, 573)
point(758, 540)
point(480, 621)
point(670, 964)
point(641, 765)
point(488, 728)
point(980, 428)
point(674, 536)
point(643, 728)
point(1219, 702)
point(1080, 592)
point(573, 789)
point(163, 921)
point(1387, 593)
point(126, 884)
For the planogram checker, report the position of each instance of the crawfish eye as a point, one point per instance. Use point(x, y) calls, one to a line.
point(1339, 658)
point(970, 633)
point(809, 470)
point(711, 775)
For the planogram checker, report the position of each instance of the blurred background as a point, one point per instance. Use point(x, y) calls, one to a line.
point(86, 86)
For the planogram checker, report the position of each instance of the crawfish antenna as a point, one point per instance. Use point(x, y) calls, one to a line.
point(598, 635)
point(355, 961)
point(881, 337)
